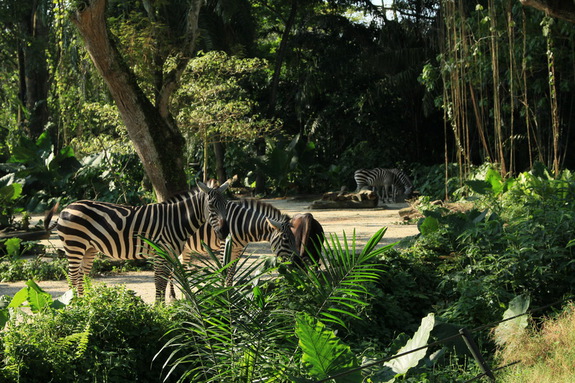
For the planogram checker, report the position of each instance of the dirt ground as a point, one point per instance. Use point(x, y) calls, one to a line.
point(365, 222)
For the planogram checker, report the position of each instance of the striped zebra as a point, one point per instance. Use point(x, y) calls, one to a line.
point(118, 231)
point(386, 182)
point(249, 220)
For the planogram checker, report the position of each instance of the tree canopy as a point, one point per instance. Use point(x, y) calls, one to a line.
point(227, 83)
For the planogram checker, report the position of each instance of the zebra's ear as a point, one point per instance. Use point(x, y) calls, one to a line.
point(203, 187)
point(274, 224)
point(228, 183)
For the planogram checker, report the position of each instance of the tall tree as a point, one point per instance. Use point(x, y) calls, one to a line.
point(157, 139)
point(28, 23)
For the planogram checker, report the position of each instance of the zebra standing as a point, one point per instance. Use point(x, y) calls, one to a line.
point(249, 220)
point(118, 231)
point(386, 182)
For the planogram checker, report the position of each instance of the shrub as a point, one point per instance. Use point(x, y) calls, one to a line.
point(12, 270)
point(110, 334)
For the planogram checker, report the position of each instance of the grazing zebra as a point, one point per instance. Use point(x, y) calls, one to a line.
point(385, 182)
point(249, 220)
point(118, 231)
point(309, 237)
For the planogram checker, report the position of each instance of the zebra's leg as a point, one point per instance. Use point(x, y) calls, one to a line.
point(184, 260)
point(75, 272)
point(236, 252)
point(78, 267)
point(172, 290)
point(383, 196)
point(162, 273)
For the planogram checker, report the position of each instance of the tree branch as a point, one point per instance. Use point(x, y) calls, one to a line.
point(561, 9)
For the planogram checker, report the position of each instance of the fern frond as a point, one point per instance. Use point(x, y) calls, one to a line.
point(341, 288)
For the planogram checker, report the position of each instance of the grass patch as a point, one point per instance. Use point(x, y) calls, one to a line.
point(546, 354)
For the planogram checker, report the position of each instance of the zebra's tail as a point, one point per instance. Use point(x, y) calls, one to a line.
point(48, 218)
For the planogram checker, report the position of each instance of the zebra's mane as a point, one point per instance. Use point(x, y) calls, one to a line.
point(182, 195)
point(265, 208)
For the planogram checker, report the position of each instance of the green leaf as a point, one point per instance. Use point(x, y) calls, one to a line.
point(63, 300)
point(506, 330)
point(38, 298)
point(428, 225)
point(259, 297)
point(495, 180)
point(479, 187)
point(19, 298)
point(13, 246)
point(323, 353)
point(10, 192)
point(4, 317)
point(402, 364)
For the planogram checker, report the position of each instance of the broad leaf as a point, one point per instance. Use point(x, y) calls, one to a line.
point(495, 180)
point(19, 298)
point(402, 364)
point(10, 192)
point(428, 225)
point(13, 246)
point(505, 330)
point(63, 300)
point(4, 317)
point(323, 353)
point(38, 298)
point(479, 187)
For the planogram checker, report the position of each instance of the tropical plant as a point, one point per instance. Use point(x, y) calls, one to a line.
point(245, 332)
point(109, 334)
point(42, 170)
point(33, 297)
point(9, 198)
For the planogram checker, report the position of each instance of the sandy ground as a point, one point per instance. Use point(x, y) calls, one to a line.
point(365, 222)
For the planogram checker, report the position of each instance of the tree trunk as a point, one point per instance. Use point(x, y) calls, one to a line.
point(260, 143)
point(33, 68)
point(158, 143)
point(220, 153)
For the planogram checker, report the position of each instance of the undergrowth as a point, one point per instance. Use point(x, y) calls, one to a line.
point(545, 353)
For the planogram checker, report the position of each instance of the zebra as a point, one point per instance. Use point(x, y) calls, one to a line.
point(309, 237)
point(87, 227)
point(249, 220)
point(384, 181)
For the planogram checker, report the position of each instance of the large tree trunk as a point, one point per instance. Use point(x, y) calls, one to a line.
point(34, 70)
point(159, 144)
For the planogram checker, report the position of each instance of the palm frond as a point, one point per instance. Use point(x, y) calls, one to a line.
point(224, 331)
point(340, 289)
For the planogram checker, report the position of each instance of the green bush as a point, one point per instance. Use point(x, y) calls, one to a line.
point(516, 240)
point(110, 334)
point(12, 270)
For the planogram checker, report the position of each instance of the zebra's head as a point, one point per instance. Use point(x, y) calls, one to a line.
point(283, 241)
point(309, 237)
point(216, 208)
point(408, 191)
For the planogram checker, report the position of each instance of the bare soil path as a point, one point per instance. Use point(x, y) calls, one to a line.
point(365, 222)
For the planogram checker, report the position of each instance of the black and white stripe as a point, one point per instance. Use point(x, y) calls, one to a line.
point(386, 182)
point(118, 231)
point(249, 221)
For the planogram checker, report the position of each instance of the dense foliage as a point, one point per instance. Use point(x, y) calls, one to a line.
point(108, 335)
point(301, 93)
point(471, 259)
